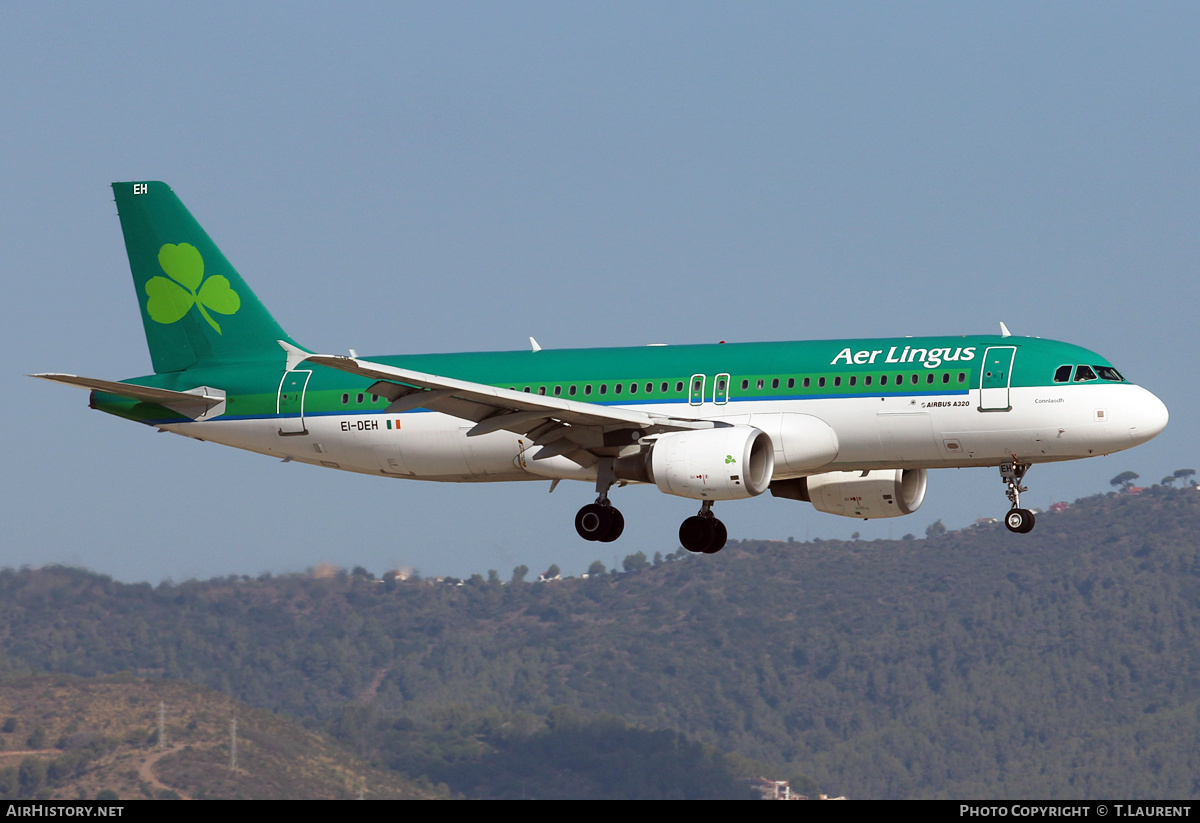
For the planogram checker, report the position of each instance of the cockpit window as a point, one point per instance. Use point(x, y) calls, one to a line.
point(1084, 373)
point(1063, 374)
point(1109, 373)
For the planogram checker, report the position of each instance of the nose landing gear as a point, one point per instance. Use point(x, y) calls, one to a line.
point(1017, 520)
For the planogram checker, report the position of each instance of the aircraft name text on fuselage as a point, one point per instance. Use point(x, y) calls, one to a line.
point(929, 358)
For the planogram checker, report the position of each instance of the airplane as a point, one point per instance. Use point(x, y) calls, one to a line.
point(849, 426)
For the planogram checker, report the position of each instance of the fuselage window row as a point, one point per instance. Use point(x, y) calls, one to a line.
point(1061, 375)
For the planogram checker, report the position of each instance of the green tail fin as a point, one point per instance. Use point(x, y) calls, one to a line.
point(196, 308)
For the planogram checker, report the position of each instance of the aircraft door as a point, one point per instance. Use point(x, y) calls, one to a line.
point(290, 405)
point(696, 394)
point(721, 389)
point(995, 378)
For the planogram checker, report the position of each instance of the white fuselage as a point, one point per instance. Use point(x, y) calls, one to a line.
point(1044, 424)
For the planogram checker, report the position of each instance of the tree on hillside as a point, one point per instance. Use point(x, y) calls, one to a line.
point(635, 562)
point(1185, 475)
point(1124, 480)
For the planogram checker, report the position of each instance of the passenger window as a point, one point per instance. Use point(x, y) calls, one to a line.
point(915, 379)
point(604, 388)
point(617, 389)
point(837, 381)
point(571, 391)
point(820, 382)
point(807, 382)
point(929, 379)
point(633, 388)
point(867, 380)
point(587, 389)
point(745, 385)
point(345, 399)
point(1062, 374)
point(791, 382)
point(360, 399)
point(946, 378)
point(542, 390)
point(558, 391)
point(649, 388)
point(853, 380)
point(1083, 373)
point(883, 380)
point(678, 385)
point(775, 383)
point(760, 383)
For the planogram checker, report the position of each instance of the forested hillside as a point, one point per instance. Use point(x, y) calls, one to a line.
point(1063, 663)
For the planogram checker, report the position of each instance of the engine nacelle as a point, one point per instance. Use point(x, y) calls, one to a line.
point(728, 463)
point(879, 493)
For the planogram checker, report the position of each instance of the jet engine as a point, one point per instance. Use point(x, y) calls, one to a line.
point(878, 493)
point(726, 463)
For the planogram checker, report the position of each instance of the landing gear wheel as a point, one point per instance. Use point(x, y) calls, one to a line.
point(696, 533)
point(720, 536)
point(615, 527)
point(1019, 521)
point(705, 535)
point(601, 523)
point(592, 521)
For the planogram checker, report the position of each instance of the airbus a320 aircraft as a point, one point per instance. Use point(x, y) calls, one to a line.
point(850, 426)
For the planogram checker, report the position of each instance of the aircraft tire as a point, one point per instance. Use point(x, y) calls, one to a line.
point(696, 533)
point(719, 538)
point(1019, 521)
point(615, 527)
point(594, 521)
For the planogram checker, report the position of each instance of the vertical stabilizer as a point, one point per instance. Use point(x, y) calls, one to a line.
point(195, 307)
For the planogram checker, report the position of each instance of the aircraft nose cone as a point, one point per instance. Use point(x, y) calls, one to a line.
point(1147, 417)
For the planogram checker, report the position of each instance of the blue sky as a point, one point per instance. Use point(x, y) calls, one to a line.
point(419, 177)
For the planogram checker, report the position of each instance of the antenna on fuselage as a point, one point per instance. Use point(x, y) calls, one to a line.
point(533, 343)
point(1004, 332)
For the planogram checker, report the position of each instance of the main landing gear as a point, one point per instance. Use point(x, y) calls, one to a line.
point(601, 521)
point(704, 532)
point(1017, 520)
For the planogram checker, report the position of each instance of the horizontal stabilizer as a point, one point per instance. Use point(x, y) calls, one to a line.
point(201, 403)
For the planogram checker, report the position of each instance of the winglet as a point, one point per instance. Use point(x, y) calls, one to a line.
point(1004, 332)
point(295, 354)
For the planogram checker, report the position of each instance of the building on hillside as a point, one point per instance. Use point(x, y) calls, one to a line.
point(772, 789)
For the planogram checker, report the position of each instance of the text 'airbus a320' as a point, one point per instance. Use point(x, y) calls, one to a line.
point(850, 426)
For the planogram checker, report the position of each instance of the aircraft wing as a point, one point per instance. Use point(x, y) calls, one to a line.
point(195, 404)
point(559, 425)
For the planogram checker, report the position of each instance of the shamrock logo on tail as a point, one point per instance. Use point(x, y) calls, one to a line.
point(171, 299)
